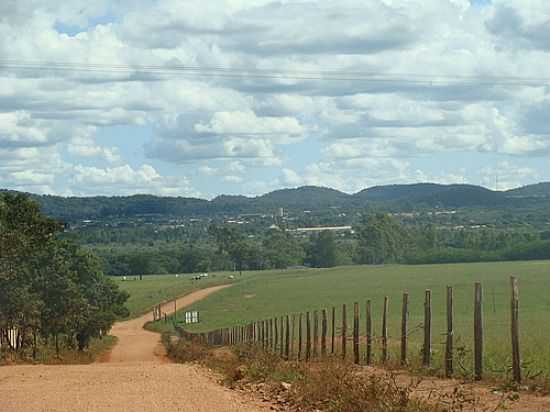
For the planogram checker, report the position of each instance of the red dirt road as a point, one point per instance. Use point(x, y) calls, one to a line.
point(135, 376)
point(136, 344)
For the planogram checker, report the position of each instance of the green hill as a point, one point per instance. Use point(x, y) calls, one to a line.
point(432, 195)
point(536, 190)
point(392, 197)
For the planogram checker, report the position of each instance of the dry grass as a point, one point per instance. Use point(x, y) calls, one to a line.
point(47, 355)
point(329, 385)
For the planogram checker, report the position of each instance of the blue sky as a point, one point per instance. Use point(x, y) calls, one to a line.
point(464, 96)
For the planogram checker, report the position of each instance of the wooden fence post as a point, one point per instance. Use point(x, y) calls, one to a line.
point(516, 360)
point(333, 330)
point(344, 331)
point(276, 335)
point(315, 333)
point(281, 337)
point(369, 332)
point(356, 332)
point(385, 330)
point(427, 349)
point(260, 334)
point(287, 338)
point(324, 333)
point(450, 334)
point(269, 332)
point(264, 333)
point(308, 337)
point(478, 332)
point(300, 337)
point(292, 335)
point(404, 328)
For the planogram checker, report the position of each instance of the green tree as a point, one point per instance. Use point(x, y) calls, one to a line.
point(322, 251)
point(281, 250)
point(380, 239)
point(50, 287)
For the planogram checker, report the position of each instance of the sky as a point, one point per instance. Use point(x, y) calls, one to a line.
point(97, 97)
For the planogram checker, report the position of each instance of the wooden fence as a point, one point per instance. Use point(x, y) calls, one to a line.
point(301, 337)
point(8, 338)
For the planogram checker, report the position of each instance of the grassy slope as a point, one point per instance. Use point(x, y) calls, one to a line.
point(262, 295)
point(153, 290)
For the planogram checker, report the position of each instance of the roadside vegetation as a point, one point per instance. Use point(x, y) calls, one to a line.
point(54, 297)
point(329, 385)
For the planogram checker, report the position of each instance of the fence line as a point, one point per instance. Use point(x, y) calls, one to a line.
point(278, 334)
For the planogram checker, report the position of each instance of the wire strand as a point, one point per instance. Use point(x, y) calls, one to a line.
point(256, 73)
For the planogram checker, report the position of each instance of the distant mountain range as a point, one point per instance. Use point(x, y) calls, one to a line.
point(392, 197)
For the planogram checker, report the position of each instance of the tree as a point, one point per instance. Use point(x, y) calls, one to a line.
point(25, 238)
point(50, 287)
point(195, 259)
point(246, 255)
point(281, 250)
point(380, 239)
point(224, 237)
point(322, 251)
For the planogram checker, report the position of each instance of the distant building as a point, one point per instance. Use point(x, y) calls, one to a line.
point(323, 229)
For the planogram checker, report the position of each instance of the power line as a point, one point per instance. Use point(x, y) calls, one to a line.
point(256, 73)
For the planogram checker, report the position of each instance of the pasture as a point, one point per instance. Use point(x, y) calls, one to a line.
point(152, 290)
point(263, 295)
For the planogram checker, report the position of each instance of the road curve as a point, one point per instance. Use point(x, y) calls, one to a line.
point(136, 344)
point(136, 376)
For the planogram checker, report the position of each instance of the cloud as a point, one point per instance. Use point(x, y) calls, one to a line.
point(506, 175)
point(248, 124)
point(232, 179)
point(225, 135)
point(185, 150)
point(521, 26)
point(19, 129)
point(418, 81)
point(127, 180)
point(349, 175)
point(89, 149)
point(31, 168)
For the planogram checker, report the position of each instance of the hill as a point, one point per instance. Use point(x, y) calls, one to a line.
point(536, 190)
point(391, 198)
point(433, 195)
point(304, 197)
point(397, 192)
point(79, 208)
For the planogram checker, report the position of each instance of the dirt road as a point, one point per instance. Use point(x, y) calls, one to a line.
point(136, 376)
point(135, 344)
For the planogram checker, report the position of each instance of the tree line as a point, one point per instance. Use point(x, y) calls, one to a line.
point(376, 239)
point(52, 292)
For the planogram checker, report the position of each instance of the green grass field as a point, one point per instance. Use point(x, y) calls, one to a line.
point(262, 295)
point(152, 290)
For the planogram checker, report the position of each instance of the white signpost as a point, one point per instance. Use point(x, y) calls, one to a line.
point(192, 317)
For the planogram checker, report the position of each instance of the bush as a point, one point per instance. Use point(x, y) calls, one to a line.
point(452, 255)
